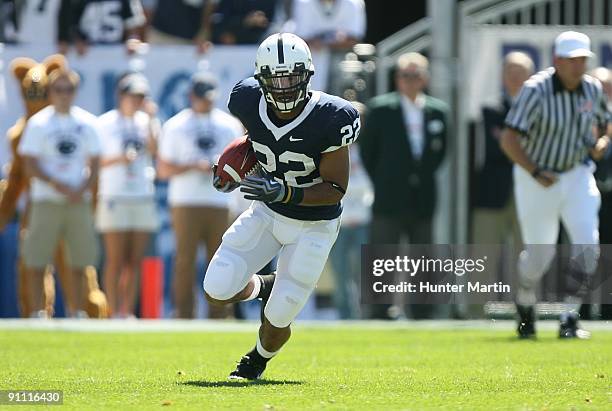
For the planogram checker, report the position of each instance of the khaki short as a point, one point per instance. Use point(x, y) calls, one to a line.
point(50, 222)
point(127, 215)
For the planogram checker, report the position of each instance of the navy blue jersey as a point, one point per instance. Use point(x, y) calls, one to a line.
point(292, 153)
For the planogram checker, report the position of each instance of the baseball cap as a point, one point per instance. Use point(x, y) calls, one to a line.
point(570, 44)
point(134, 83)
point(204, 85)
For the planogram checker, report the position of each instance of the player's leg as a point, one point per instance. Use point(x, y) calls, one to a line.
point(385, 230)
point(420, 232)
point(580, 217)
point(538, 212)
point(136, 248)
point(39, 242)
point(299, 267)
point(216, 221)
point(185, 221)
point(246, 247)
point(82, 251)
point(114, 249)
point(338, 257)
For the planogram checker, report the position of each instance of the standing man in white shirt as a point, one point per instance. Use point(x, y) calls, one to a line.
point(337, 24)
point(126, 214)
point(61, 148)
point(191, 143)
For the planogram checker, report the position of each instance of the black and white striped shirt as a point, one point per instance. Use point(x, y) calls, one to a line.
point(557, 123)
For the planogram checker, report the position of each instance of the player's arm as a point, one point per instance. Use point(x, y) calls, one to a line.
point(106, 161)
point(521, 117)
point(33, 170)
point(334, 170)
point(94, 171)
point(604, 124)
point(166, 169)
point(602, 145)
point(511, 145)
point(133, 19)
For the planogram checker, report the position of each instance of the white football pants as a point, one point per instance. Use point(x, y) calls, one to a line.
point(574, 200)
point(257, 236)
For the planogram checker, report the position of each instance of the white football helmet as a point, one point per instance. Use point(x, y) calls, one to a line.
point(283, 67)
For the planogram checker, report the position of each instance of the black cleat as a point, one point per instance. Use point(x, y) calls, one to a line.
point(570, 329)
point(247, 369)
point(526, 325)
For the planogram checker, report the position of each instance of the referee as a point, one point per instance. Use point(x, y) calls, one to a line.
point(550, 137)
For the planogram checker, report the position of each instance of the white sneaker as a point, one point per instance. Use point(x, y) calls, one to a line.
point(41, 314)
point(81, 315)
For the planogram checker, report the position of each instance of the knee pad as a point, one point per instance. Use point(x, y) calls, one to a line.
point(308, 259)
point(247, 230)
point(533, 263)
point(287, 300)
point(225, 275)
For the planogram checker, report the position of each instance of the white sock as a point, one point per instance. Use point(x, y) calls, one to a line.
point(256, 288)
point(263, 352)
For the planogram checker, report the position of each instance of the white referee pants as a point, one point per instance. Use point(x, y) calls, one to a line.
point(574, 200)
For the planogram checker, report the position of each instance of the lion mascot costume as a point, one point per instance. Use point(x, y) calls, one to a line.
point(32, 77)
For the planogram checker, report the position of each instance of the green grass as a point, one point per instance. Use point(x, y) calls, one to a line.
point(320, 368)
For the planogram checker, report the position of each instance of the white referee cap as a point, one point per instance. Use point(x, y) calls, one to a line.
point(570, 44)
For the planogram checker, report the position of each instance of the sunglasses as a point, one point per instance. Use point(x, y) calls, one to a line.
point(410, 75)
point(63, 90)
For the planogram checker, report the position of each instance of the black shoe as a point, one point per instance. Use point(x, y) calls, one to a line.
point(526, 325)
point(247, 369)
point(570, 329)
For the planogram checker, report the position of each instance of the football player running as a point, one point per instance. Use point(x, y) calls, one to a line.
point(301, 138)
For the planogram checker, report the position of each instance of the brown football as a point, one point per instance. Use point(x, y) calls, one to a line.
point(237, 161)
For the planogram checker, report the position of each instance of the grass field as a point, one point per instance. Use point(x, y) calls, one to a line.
point(323, 367)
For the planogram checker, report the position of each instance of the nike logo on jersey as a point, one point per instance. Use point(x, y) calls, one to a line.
point(291, 138)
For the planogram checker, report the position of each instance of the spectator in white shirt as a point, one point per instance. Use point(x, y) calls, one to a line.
point(337, 24)
point(60, 148)
point(191, 143)
point(334, 25)
point(126, 214)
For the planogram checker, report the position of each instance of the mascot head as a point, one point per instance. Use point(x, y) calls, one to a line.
point(33, 78)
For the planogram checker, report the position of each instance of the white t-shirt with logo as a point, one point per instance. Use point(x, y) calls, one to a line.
point(120, 136)
point(188, 138)
point(63, 145)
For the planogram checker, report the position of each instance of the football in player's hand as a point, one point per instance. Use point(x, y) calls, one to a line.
point(236, 162)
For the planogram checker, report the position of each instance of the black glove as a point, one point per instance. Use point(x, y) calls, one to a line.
point(224, 188)
point(262, 189)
